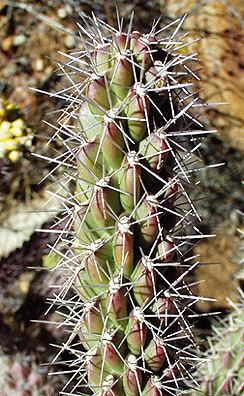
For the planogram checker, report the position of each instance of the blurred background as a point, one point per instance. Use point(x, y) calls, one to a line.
point(32, 36)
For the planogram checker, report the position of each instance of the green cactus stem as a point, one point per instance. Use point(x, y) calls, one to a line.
point(131, 143)
point(223, 372)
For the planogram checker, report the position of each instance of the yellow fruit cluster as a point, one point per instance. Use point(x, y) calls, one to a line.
point(14, 133)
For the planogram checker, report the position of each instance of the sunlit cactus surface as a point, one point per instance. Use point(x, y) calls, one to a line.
point(131, 148)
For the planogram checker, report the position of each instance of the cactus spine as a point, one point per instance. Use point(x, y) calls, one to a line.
point(223, 372)
point(128, 228)
point(21, 375)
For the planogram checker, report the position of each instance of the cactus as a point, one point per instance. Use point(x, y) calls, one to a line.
point(240, 273)
point(131, 143)
point(224, 371)
point(220, 22)
point(21, 375)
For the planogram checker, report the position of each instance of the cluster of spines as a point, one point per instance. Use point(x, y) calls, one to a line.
point(21, 375)
point(223, 371)
point(125, 247)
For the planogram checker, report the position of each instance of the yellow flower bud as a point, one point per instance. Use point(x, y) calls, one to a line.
point(10, 106)
point(10, 145)
point(4, 126)
point(14, 156)
point(16, 131)
point(18, 123)
point(4, 135)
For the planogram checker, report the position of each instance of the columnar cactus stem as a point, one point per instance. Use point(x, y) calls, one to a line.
point(223, 371)
point(129, 219)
